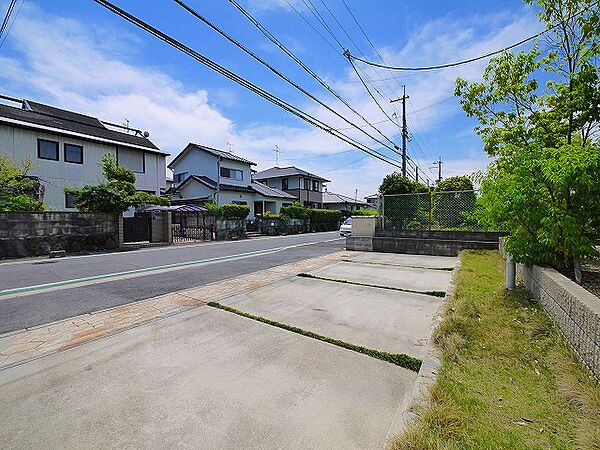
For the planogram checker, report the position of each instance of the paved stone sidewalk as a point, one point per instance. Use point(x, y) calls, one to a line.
point(24, 345)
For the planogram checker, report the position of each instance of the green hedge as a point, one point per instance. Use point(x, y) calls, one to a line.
point(324, 219)
point(235, 211)
point(295, 211)
point(365, 212)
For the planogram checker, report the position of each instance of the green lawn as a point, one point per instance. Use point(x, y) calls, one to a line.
point(508, 379)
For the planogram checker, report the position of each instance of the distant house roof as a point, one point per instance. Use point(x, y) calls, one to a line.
point(254, 187)
point(213, 151)
point(277, 172)
point(35, 115)
point(268, 191)
point(372, 197)
point(331, 197)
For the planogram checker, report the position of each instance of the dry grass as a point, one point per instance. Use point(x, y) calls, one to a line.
point(508, 379)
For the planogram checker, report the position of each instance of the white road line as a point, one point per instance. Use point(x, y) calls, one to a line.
point(97, 279)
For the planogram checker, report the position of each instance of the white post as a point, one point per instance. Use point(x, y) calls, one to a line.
point(510, 272)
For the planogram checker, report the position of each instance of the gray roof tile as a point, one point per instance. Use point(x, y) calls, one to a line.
point(61, 119)
point(276, 172)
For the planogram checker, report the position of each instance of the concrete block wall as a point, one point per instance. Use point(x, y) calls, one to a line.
point(359, 243)
point(575, 310)
point(38, 233)
point(161, 227)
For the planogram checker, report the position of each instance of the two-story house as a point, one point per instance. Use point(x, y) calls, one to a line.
point(204, 174)
point(66, 149)
point(306, 187)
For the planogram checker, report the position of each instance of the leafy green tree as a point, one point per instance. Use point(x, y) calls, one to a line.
point(17, 190)
point(395, 183)
point(453, 203)
point(116, 194)
point(404, 209)
point(543, 186)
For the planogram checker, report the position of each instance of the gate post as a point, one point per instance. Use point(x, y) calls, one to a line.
point(120, 230)
point(430, 208)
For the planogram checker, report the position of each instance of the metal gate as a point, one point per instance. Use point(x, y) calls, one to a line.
point(189, 226)
point(136, 229)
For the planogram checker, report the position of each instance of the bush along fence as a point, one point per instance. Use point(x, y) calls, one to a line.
point(433, 210)
point(299, 219)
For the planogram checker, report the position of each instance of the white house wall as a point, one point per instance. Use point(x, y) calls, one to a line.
point(199, 162)
point(21, 143)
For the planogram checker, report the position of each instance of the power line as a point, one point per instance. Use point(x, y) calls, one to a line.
point(241, 81)
point(11, 24)
point(253, 55)
point(9, 11)
point(315, 12)
point(477, 58)
point(347, 54)
point(265, 32)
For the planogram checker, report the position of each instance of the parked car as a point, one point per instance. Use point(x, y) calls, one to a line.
point(346, 227)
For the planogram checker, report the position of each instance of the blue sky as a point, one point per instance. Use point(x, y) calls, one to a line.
point(79, 56)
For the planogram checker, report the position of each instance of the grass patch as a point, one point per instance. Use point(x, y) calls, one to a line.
point(399, 359)
point(508, 380)
point(358, 283)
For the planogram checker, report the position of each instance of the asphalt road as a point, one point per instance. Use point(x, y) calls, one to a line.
point(35, 292)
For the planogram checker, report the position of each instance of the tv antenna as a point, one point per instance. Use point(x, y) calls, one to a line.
point(277, 151)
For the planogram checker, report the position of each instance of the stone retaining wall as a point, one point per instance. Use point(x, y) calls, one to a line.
point(37, 233)
point(575, 310)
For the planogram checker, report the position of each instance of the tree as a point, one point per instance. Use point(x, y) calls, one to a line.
point(116, 194)
point(18, 191)
point(404, 211)
point(453, 202)
point(395, 183)
point(543, 185)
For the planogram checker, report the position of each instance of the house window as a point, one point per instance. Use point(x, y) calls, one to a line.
point(74, 153)
point(133, 159)
point(239, 202)
point(47, 149)
point(285, 183)
point(315, 186)
point(233, 174)
point(306, 184)
point(180, 177)
point(70, 200)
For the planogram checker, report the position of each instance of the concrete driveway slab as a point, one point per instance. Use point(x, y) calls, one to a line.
point(203, 379)
point(392, 321)
point(393, 259)
point(397, 277)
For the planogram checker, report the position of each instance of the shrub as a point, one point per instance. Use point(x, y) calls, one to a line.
point(270, 215)
point(295, 211)
point(365, 212)
point(18, 192)
point(324, 219)
point(214, 210)
point(235, 211)
point(116, 194)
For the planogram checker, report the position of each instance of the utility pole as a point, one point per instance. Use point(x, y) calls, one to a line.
point(438, 163)
point(276, 150)
point(417, 174)
point(404, 130)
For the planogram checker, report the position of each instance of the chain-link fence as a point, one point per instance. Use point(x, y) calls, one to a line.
point(431, 210)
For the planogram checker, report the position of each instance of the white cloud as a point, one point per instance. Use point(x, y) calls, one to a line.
point(86, 68)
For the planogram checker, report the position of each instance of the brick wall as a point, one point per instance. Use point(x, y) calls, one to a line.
point(37, 233)
point(575, 310)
